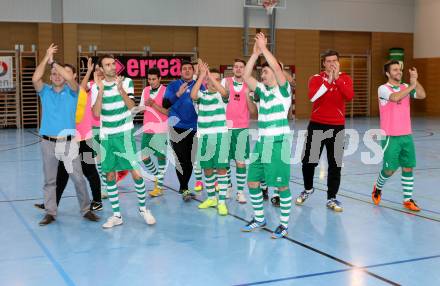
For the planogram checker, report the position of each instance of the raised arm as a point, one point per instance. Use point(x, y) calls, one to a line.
point(37, 77)
point(86, 78)
point(97, 95)
point(247, 75)
point(219, 87)
point(261, 42)
point(251, 105)
point(420, 91)
point(203, 71)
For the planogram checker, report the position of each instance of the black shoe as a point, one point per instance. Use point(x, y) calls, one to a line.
point(39, 206)
point(47, 220)
point(96, 206)
point(187, 195)
point(265, 193)
point(275, 200)
point(91, 216)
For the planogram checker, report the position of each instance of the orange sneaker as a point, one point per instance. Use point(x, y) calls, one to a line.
point(376, 195)
point(411, 205)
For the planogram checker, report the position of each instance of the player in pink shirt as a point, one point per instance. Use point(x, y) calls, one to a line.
point(238, 113)
point(155, 129)
point(395, 122)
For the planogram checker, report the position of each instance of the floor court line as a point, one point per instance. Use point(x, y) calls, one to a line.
point(339, 271)
point(352, 266)
point(368, 202)
point(68, 281)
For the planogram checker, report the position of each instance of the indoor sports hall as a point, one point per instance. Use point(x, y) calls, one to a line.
point(329, 112)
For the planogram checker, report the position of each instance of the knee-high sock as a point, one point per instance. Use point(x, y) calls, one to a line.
point(285, 206)
point(228, 177)
point(210, 189)
point(256, 196)
point(140, 191)
point(223, 185)
point(162, 162)
point(241, 178)
point(407, 185)
point(150, 166)
point(102, 175)
point(113, 196)
point(381, 180)
point(198, 173)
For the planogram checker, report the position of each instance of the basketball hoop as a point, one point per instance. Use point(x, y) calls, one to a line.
point(269, 5)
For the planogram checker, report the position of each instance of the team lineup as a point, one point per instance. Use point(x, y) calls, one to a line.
point(201, 123)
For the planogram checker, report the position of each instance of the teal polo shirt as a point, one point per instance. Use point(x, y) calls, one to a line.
point(58, 111)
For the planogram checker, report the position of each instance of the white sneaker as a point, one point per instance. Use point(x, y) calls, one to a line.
point(147, 215)
point(229, 193)
point(241, 198)
point(112, 221)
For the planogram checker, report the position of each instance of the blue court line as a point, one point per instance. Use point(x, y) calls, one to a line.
point(294, 277)
point(43, 247)
point(403, 261)
point(338, 271)
point(365, 271)
point(366, 195)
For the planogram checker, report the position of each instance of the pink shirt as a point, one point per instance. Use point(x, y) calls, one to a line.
point(237, 111)
point(395, 117)
point(154, 121)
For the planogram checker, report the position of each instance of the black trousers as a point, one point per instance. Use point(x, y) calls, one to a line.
point(318, 136)
point(184, 144)
point(89, 171)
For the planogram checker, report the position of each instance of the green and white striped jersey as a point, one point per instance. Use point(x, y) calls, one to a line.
point(211, 113)
point(273, 107)
point(116, 118)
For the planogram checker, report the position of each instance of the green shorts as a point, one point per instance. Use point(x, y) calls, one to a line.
point(398, 151)
point(154, 144)
point(270, 161)
point(118, 153)
point(239, 150)
point(213, 151)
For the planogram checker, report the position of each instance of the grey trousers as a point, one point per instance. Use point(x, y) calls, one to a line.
point(67, 152)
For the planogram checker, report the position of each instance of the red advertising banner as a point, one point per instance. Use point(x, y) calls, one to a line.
point(138, 66)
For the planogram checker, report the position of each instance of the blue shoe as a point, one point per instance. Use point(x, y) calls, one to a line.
point(280, 232)
point(334, 205)
point(253, 224)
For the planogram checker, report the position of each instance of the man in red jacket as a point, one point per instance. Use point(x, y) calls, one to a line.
point(328, 90)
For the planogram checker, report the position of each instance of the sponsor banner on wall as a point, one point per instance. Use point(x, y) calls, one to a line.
point(138, 66)
point(6, 69)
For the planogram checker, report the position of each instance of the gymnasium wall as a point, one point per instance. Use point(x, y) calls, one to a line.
point(427, 52)
point(220, 45)
point(426, 29)
point(429, 77)
point(339, 15)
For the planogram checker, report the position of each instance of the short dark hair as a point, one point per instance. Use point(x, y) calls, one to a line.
point(266, 64)
point(240, 61)
point(185, 63)
point(214, 70)
point(154, 71)
point(105, 56)
point(73, 68)
point(329, 53)
point(388, 64)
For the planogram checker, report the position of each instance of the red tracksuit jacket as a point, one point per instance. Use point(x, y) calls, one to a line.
point(329, 98)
